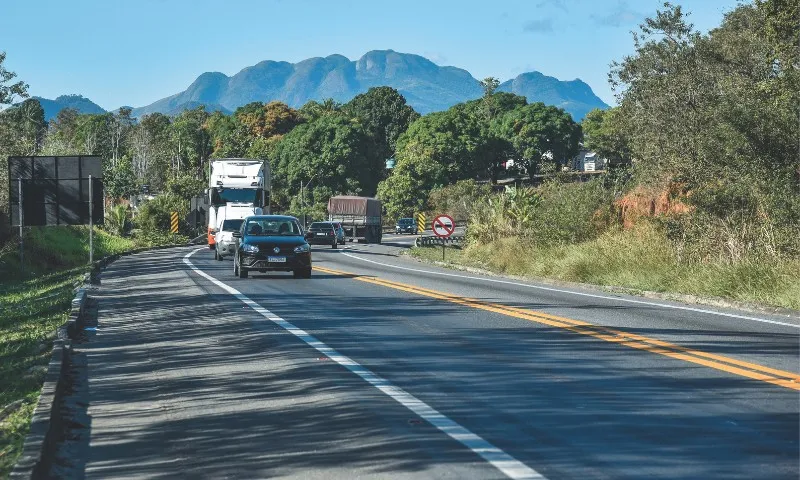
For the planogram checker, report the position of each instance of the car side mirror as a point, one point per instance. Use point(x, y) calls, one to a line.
point(237, 234)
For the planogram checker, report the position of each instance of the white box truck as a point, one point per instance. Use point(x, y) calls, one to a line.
point(237, 188)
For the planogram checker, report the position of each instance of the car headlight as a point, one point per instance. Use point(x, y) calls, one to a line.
point(247, 248)
point(304, 248)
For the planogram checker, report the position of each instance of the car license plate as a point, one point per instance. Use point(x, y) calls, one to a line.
point(321, 234)
point(276, 259)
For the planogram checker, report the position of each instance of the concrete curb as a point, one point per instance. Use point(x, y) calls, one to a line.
point(39, 442)
point(38, 450)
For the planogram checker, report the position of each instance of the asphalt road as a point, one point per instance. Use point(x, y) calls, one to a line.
point(382, 367)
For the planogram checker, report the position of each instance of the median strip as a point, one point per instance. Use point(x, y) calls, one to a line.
point(719, 362)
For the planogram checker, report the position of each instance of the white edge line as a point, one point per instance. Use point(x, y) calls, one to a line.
point(550, 289)
point(499, 459)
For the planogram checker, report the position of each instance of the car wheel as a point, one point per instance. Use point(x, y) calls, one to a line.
point(235, 266)
point(334, 245)
point(243, 272)
point(302, 273)
point(217, 256)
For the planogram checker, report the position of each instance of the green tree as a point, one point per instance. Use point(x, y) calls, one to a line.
point(385, 114)
point(333, 153)
point(717, 113)
point(150, 150)
point(604, 134)
point(9, 91)
point(540, 135)
point(191, 143)
point(119, 180)
point(274, 118)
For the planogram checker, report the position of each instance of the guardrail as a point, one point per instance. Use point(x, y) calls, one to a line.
point(428, 240)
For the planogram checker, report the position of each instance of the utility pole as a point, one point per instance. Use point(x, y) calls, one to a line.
point(91, 221)
point(21, 222)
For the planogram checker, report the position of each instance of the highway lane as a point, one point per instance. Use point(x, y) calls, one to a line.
point(194, 372)
point(568, 404)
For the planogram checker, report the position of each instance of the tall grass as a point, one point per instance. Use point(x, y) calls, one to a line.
point(641, 258)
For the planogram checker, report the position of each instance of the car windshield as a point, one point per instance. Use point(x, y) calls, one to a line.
point(320, 226)
point(272, 227)
point(231, 225)
point(405, 221)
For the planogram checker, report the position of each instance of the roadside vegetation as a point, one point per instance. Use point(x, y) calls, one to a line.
point(703, 192)
point(33, 303)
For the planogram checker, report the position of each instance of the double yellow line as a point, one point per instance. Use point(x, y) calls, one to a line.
point(719, 362)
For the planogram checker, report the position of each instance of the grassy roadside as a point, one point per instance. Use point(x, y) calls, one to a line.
point(639, 261)
point(32, 306)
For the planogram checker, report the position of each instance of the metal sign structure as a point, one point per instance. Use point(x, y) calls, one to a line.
point(56, 190)
point(45, 191)
point(443, 226)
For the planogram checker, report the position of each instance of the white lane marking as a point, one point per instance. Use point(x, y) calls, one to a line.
point(550, 289)
point(504, 462)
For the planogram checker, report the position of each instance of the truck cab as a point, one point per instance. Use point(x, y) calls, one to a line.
point(238, 188)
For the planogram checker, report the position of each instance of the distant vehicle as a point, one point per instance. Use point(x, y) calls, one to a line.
point(269, 243)
point(237, 188)
point(326, 233)
point(406, 225)
point(225, 244)
point(361, 217)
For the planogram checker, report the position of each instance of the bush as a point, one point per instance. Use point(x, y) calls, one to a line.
point(153, 216)
point(458, 200)
point(554, 214)
point(117, 220)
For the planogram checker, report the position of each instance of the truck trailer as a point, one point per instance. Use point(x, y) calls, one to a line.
point(237, 188)
point(361, 217)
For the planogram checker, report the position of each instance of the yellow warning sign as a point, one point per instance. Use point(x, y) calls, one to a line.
point(173, 222)
point(420, 222)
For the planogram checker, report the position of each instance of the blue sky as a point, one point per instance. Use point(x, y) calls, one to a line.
point(135, 52)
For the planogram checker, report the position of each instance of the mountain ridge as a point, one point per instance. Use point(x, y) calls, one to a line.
point(427, 86)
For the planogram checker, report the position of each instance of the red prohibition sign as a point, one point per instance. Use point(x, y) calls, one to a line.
point(443, 226)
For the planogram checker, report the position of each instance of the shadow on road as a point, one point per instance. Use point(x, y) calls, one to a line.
point(189, 382)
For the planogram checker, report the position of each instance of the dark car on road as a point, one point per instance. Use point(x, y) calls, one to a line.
point(270, 243)
point(326, 233)
point(406, 225)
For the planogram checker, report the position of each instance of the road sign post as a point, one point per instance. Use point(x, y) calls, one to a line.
point(21, 223)
point(443, 226)
point(91, 221)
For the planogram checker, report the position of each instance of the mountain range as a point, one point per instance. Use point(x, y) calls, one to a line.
point(77, 102)
point(426, 86)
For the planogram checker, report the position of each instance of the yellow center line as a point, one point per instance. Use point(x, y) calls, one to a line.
point(719, 362)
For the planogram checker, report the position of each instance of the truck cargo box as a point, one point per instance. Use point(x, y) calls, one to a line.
point(361, 217)
point(354, 206)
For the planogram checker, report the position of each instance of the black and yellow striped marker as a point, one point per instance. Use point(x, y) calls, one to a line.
point(420, 222)
point(173, 222)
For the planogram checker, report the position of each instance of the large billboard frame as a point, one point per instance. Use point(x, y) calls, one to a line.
point(55, 190)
